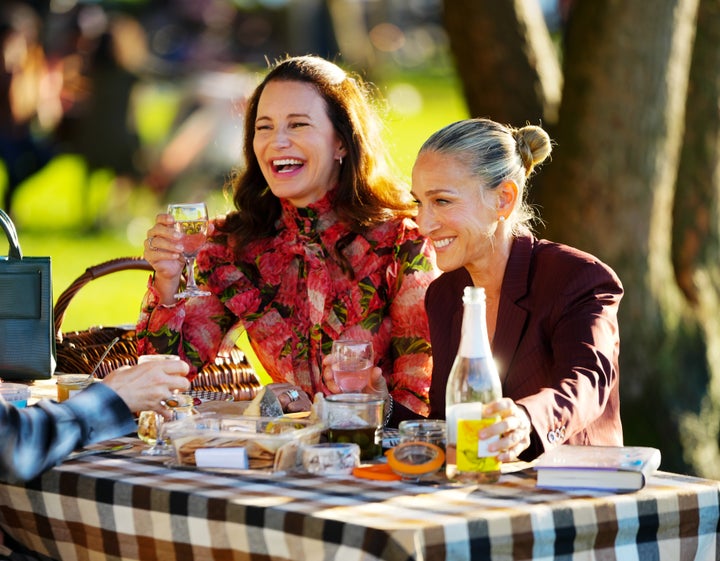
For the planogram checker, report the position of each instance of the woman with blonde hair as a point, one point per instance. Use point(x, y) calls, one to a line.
point(551, 309)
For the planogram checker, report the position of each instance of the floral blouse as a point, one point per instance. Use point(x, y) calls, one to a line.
point(294, 300)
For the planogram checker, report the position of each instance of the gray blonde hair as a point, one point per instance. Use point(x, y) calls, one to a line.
point(495, 153)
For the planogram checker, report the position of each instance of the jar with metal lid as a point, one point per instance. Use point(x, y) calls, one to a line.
point(431, 431)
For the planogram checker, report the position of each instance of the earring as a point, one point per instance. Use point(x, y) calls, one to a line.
point(340, 160)
point(501, 219)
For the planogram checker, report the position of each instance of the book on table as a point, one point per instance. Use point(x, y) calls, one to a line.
point(614, 468)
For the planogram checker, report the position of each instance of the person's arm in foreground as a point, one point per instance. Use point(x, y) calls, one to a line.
point(35, 438)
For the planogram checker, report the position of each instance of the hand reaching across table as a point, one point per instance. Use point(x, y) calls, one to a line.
point(35, 438)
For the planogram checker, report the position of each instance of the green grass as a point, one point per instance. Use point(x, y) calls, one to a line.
point(49, 207)
point(441, 103)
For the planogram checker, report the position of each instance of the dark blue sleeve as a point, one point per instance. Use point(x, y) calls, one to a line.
point(35, 438)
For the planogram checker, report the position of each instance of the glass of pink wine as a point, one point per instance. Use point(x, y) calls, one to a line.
point(352, 364)
point(191, 219)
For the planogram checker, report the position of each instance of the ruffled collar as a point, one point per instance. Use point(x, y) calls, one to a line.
point(310, 221)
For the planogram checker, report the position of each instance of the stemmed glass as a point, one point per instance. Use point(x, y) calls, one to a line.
point(155, 424)
point(151, 425)
point(180, 406)
point(191, 219)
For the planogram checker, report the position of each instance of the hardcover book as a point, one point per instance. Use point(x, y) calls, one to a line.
point(615, 468)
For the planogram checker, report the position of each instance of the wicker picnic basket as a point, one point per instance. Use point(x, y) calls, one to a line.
point(79, 351)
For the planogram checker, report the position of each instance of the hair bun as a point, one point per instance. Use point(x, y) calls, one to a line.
point(533, 145)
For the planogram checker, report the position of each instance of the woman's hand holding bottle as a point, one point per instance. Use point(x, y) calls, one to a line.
point(514, 429)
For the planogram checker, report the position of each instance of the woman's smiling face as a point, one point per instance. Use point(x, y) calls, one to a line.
point(452, 211)
point(295, 143)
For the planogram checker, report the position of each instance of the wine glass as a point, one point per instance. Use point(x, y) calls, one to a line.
point(151, 431)
point(191, 219)
point(179, 406)
point(352, 364)
point(151, 425)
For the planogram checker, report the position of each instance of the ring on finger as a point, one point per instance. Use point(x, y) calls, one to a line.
point(293, 394)
point(150, 243)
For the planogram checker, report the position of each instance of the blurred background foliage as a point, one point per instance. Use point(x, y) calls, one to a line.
point(109, 110)
point(151, 96)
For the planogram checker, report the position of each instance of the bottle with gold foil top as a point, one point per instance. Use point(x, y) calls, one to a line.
point(473, 382)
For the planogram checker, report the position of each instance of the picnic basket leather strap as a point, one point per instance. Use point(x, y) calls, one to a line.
point(79, 351)
point(27, 342)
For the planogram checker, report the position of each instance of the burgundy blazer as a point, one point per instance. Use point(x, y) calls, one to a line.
point(556, 342)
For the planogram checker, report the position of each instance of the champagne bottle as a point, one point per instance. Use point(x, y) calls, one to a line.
point(473, 382)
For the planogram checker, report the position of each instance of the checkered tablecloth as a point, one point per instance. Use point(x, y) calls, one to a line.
point(129, 507)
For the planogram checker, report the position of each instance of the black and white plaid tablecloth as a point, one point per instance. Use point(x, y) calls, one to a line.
point(128, 507)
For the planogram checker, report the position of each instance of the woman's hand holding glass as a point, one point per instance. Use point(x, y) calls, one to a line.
point(191, 221)
point(151, 423)
point(374, 382)
point(144, 386)
point(352, 364)
point(164, 251)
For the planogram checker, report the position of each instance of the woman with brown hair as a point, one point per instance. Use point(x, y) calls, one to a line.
point(321, 246)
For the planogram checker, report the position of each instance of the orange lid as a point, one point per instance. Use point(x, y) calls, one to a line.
point(415, 458)
point(380, 472)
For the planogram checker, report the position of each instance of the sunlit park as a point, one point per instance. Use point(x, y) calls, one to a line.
point(562, 400)
point(186, 115)
point(628, 94)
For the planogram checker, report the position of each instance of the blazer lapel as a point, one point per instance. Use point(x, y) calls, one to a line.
point(512, 316)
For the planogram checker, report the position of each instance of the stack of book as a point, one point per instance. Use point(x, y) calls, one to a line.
point(615, 468)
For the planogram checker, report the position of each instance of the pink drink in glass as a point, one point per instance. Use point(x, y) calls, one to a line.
point(353, 376)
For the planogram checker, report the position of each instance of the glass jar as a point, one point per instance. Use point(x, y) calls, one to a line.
point(358, 418)
point(70, 384)
point(431, 431)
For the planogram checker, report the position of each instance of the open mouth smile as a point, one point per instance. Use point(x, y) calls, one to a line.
point(440, 244)
point(287, 165)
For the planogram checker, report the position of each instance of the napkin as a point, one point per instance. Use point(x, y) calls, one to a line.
point(235, 458)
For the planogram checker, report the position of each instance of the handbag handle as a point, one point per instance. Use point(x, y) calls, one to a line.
point(14, 252)
point(91, 273)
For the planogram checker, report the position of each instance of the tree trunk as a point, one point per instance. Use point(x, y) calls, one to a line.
point(348, 20)
point(634, 179)
point(503, 52)
point(609, 190)
point(696, 243)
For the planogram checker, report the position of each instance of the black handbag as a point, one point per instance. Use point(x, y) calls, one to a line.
point(27, 339)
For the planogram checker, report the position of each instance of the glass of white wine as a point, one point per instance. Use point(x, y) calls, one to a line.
point(191, 219)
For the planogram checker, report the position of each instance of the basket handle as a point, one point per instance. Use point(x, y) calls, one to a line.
point(91, 273)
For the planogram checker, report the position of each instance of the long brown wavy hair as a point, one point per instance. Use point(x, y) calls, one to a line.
point(369, 191)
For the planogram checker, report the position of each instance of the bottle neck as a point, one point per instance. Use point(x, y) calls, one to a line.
point(474, 341)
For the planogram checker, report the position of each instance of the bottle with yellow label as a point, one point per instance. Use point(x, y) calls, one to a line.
point(473, 382)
